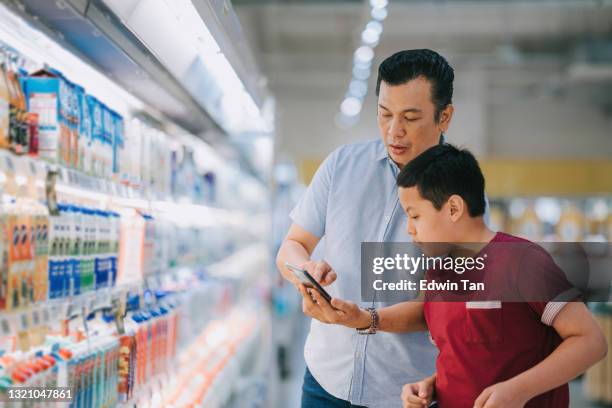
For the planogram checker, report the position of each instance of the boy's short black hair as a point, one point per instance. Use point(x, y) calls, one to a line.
point(404, 66)
point(444, 170)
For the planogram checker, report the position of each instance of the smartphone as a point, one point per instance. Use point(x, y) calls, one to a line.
point(308, 280)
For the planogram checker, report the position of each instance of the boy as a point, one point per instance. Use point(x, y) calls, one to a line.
point(492, 353)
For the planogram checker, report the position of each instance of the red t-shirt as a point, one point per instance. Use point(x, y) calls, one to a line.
point(484, 343)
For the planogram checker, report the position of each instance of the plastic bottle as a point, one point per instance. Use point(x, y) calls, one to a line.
point(5, 97)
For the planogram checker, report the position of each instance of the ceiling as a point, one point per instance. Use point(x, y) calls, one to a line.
point(545, 47)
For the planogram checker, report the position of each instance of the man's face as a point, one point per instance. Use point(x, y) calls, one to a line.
point(406, 119)
point(428, 227)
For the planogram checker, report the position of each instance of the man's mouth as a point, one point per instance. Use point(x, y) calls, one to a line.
point(398, 149)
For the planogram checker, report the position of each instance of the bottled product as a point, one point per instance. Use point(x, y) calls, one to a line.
point(5, 98)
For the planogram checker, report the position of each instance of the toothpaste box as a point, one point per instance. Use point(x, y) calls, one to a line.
point(47, 94)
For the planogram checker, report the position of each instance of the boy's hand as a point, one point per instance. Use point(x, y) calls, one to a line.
point(502, 394)
point(339, 311)
point(420, 394)
point(321, 271)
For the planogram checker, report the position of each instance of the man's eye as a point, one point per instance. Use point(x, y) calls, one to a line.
point(412, 119)
point(414, 217)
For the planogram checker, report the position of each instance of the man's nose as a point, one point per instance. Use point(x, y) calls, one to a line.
point(396, 129)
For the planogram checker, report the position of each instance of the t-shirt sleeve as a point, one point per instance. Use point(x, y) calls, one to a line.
point(311, 210)
point(543, 285)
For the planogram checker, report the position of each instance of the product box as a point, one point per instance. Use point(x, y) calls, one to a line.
point(84, 137)
point(118, 143)
point(107, 142)
point(97, 134)
point(5, 239)
point(41, 248)
point(48, 96)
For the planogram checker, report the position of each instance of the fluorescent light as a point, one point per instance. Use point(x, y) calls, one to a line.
point(379, 14)
point(376, 4)
point(186, 47)
point(364, 54)
point(351, 106)
point(361, 73)
point(358, 88)
point(375, 26)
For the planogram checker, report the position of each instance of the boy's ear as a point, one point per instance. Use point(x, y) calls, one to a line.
point(456, 206)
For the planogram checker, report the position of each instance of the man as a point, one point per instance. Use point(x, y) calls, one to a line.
point(353, 198)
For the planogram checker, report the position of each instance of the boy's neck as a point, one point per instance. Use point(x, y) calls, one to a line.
point(475, 232)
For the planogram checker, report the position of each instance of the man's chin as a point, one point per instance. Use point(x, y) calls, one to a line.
point(402, 159)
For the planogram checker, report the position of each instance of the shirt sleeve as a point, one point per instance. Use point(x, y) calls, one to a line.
point(543, 285)
point(311, 210)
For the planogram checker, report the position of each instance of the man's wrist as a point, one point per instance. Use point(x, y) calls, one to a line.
point(364, 320)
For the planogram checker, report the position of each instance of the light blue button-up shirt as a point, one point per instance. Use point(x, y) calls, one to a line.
point(353, 198)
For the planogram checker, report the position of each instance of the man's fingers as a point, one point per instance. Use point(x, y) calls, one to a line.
point(323, 304)
point(320, 270)
point(340, 304)
point(307, 297)
point(328, 278)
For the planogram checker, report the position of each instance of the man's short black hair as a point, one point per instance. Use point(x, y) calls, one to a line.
point(444, 170)
point(404, 66)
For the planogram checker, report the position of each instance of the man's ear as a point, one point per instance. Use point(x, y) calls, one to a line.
point(456, 207)
point(445, 117)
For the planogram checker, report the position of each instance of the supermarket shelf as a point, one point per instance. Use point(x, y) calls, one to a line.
point(93, 32)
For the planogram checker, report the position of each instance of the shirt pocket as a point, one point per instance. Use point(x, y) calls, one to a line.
point(484, 322)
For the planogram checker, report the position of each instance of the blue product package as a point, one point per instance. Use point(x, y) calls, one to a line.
point(46, 95)
point(118, 141)
point(97, 134)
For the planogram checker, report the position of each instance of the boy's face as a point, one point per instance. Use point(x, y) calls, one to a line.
point(426, 224)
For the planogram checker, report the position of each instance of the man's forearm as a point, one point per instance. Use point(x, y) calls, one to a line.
point(402, 318)
point(293, 252)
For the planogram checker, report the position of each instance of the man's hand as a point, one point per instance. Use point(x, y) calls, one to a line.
point(321, 271)
point(338, 312)
point(420, 394)
point(502, 394)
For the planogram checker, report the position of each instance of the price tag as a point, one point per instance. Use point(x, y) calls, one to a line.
point(35, 318)
point(23, 321)
point(5, 326)
point(32, 167)
point(9, 163)
point(91, 304)
point(68, 308)
point(46, 315)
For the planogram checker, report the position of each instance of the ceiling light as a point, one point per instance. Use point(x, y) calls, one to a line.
point(364, 54)
point(379, 14)
point(351, 106)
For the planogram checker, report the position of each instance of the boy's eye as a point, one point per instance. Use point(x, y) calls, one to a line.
point(412, 119)
point(414, 217)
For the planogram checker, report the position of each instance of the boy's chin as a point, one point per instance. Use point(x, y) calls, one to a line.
point(434, 249)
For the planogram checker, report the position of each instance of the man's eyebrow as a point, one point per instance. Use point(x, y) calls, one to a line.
point(409, 110)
